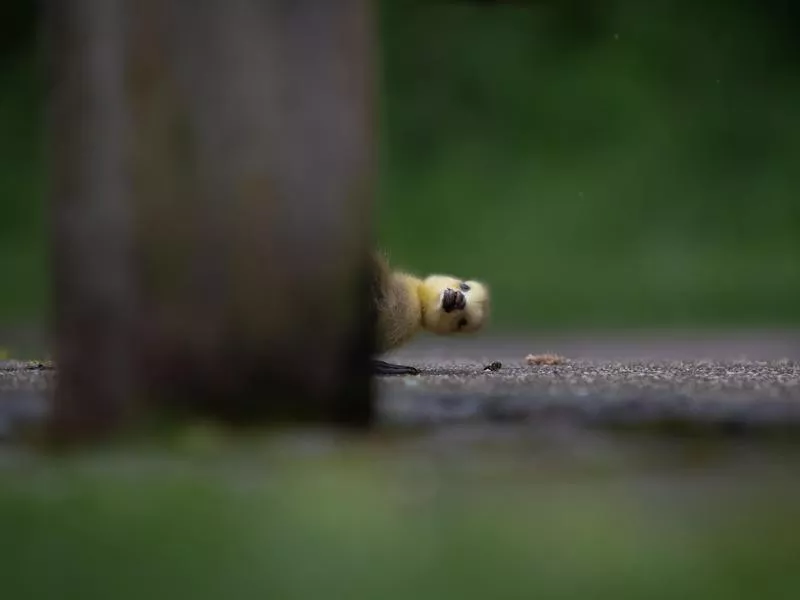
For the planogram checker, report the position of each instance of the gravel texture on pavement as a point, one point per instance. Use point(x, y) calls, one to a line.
point(726, 384)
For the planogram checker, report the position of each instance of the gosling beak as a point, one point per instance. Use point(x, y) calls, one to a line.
point(453, 300)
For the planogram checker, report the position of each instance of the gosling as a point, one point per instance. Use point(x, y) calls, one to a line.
point(405, 305)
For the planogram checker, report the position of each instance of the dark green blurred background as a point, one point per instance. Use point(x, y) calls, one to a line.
point(601, 164)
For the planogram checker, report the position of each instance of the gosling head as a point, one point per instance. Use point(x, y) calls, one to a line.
point(452, 305)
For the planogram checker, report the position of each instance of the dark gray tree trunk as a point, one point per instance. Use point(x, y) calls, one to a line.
point(91, 216)
point(230, 146)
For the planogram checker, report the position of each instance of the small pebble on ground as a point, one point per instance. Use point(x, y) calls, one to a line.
point(544, 359)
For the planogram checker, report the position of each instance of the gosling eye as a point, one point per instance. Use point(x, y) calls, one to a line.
point(462, 323)
point(464, 287)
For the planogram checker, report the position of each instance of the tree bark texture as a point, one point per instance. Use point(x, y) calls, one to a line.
point(212, 202)
point(91, 218)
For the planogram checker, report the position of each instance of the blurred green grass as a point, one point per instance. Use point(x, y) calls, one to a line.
point(614, 165)
point(157, 526)
point(23, 227)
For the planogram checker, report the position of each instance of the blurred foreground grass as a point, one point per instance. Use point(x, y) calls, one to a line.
point(373, 525)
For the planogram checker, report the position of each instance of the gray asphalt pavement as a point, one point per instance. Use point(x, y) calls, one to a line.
point(728, 383)
point(723, 383)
